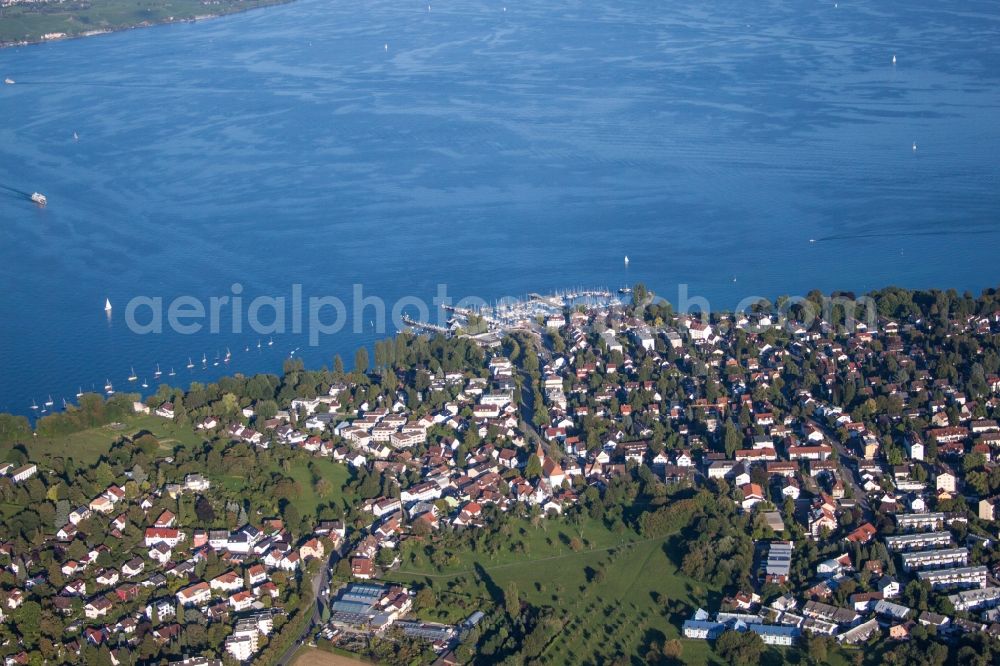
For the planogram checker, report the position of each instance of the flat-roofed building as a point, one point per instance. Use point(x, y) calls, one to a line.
point(906, 542)
point(779, 562)
point(935, 559)
point(969, 600)
point(773, 634)
point(703, 629)
point(957, 577)
point(911, 522)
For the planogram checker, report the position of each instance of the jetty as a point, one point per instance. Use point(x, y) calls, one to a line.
point(410, 321)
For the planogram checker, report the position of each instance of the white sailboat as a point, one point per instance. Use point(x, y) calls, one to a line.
point(914, 146)
point(144, 383)
point(49, 403)
point(190, 364)
point(157, 374)
point(270, 342)
point(76, 137)
point(626, 260)
point(132, 376)
point(109, 389)
point(34, 405)
point(107, 385)
point(893, 58)
point(229, 355)
point(204, 359)
point(171, 373)
point(258, 344)
point(79, 392)
point(107, 305)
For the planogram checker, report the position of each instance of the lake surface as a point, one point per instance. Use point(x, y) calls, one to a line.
point(498, 152)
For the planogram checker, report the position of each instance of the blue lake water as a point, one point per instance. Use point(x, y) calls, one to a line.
point(498, 152)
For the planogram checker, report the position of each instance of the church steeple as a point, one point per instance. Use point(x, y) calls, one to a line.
point(540, 452)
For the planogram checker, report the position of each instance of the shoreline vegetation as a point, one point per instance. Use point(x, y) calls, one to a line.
point(26, 23)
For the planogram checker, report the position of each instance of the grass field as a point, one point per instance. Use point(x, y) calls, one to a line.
point(88, 446)
point(308, 500)
point(617, 611)
point(28, 22)
point(316, 657)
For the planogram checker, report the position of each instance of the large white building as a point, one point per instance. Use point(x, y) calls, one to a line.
point(957, 577)
point(968, 600)
point(935, 559)
point(905, 542)
point(243, 643)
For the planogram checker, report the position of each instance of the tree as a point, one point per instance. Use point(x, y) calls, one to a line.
point(425, 598)
point(361, 360)
point(533, 469)
point(740, 648)
point(27, 620)
point(292, 516)
point(203, 509)
point(732, 438)
point(673, 649)
point(511, 601)
point(817, 648)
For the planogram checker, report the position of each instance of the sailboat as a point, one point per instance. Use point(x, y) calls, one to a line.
point(49, 403)
point(107, 305)
point(190, 364)
point(144, 383)
point(132, 377)
point(79, 393)
point(893, 58)
point(107, 385)
point(258, 344)
point(626, 260)
point(171, 373)
point(34, 405)
point(270, 342)
point(229, 355)
point(64, 403)
point(204, 359)
point(157, 374)
point(109, 389)
point(76, 137)
point(914, 146)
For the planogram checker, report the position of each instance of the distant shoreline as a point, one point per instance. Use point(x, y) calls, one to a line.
point(57, 35)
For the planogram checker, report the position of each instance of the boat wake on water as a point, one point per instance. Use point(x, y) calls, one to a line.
point(20, 194)
point(904, 234)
